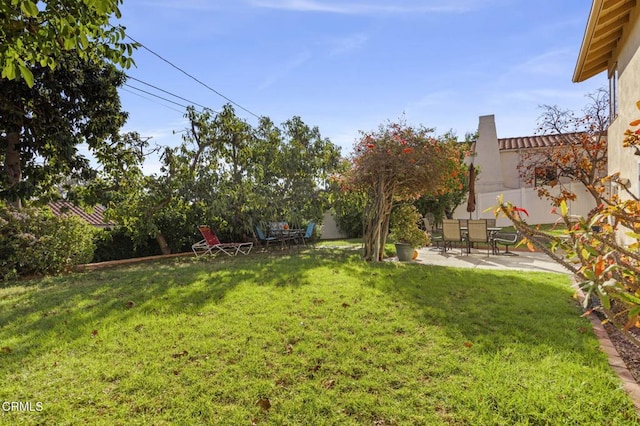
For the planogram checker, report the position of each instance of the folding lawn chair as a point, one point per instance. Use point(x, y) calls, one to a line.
point(212, 245)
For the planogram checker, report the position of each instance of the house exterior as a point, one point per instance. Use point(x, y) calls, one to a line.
point(497, 160)
point(611, 43)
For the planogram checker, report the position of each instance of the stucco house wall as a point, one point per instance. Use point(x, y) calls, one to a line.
point(611, 44)
point(628, 65)
point(497, 160)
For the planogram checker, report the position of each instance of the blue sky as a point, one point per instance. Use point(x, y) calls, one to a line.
point(346, 65)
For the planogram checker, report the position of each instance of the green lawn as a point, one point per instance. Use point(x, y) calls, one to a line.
point(315, 337)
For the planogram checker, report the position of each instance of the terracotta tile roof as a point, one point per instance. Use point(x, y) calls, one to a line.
point(95, 218)
point(532, 142)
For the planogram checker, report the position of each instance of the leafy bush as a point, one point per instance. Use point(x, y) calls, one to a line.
point(116, 244)
point(405, 229)
point(34, 241)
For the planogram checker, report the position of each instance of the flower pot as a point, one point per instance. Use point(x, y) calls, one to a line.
point(404, 252)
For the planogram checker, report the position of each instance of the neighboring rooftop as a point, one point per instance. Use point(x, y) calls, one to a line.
point(95, 218)
point(528, 142)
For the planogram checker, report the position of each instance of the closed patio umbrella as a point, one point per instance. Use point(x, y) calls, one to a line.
point(471, 201)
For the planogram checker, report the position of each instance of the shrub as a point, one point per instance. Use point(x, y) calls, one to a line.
point(34, 241)
point(116, 244)
point(405, 229)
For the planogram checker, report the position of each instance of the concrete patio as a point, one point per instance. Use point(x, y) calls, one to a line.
point(520, 260)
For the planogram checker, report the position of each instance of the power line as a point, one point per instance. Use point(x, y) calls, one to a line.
point(154, 95)
point(191, 76)
point(167, 92)
point(150, 100)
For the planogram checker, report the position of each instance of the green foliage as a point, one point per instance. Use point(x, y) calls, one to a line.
point(225, 174)
point(405, 226)
point(42, 126)
point(41, 32)
point(33, 241)
point(347, 204)
point(116, 244)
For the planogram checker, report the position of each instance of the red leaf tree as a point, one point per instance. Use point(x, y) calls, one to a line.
point(580, 154)
point(399, 162)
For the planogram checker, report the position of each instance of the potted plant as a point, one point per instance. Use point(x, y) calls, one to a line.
point(406, 232)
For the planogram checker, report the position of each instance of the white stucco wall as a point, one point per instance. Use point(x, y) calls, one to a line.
point(488, 156)
point(509, 161)
point(627, 58)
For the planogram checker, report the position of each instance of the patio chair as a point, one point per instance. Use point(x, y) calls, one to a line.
point(450, 234)
point(263, 238)
point(212, 245)
point(436, 234)
point(505, 238)
point(308, 234)
point(477, 233)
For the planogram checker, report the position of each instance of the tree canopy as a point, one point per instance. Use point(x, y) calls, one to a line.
point(399, 162)
point(42, 126)
point(42, 32)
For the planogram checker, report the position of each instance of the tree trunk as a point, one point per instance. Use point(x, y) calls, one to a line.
point(162, 242)
point(12, 167)
point(377, 215)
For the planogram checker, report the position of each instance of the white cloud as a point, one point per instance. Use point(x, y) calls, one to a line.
point(372, 7)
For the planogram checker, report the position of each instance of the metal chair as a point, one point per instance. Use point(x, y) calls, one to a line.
point(264, 239)
point(450, 234)
point(436, 234)
point(505, 238)
point(477, 233)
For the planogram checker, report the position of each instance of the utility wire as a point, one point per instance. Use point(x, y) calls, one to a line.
point(191, 76)
point(167, 92)
point(154, 95)
point(150, 100)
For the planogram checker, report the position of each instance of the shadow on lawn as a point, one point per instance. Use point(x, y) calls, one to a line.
point(490, 310)
point(70, 306)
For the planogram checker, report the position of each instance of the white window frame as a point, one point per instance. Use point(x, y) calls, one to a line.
point(613, 93)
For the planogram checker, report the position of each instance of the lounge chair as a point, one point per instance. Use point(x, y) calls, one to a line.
point(212, 245)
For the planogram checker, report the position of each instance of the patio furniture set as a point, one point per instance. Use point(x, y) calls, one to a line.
point(468, 232)
point(279, 232)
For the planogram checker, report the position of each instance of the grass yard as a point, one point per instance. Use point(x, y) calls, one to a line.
point(310, 338)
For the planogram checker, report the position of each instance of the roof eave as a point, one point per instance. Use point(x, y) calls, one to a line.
point(579, 74)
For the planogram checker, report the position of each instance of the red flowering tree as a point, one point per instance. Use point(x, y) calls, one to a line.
point(398, 162)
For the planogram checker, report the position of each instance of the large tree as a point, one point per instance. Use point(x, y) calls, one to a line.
point(398, 162)
point(225, 174)
point(42, 126)
point(42, 32)
point(579, 154)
